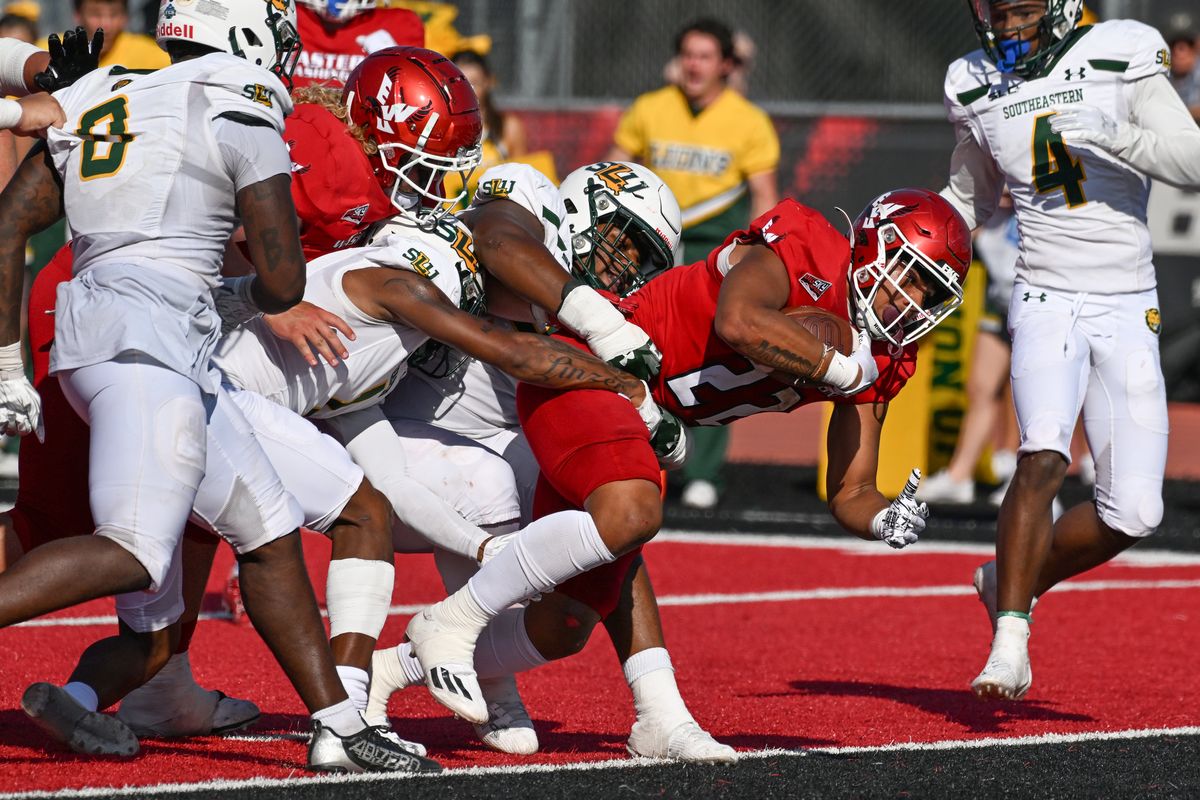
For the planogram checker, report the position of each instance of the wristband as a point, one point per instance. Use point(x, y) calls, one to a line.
point(10, 114)
point(13, 56)
point(11, 364)
point(842, 373)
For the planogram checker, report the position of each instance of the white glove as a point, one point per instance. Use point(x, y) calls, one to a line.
point(1084, 124)
point(20, 405)
point(234, 303)
point(849, 375)
point(901, 523)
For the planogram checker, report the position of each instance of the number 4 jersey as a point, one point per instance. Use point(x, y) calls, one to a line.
point(1077, 207)
point(703, 380)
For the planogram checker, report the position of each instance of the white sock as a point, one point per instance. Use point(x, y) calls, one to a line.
point(546, 553)
point(655, 694)
point(355, 681)
point(408, 664)
point(504, 647)
point(343, 718)
point(1011, 631)
point(83, 694)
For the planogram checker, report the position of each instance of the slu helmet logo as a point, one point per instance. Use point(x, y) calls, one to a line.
point(1154, 320)
point(620, 178)
point(282, 6)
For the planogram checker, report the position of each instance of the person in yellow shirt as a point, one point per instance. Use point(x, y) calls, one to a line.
point(719, 153)
point(132, 50)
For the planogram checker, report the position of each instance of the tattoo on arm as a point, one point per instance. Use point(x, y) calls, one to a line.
point(30, 203)
point(273, 238)
point(556, 365)
point(782, 359)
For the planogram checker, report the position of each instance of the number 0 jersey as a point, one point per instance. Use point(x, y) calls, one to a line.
point(143, 174)
point(252, 358)
point(1077, 207)
point(703, 380)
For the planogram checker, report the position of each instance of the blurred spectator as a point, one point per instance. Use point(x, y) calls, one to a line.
point(1185, 75)
point(18, 26)
point(503, 134)
point(441, 34)
point(996, 246)
point(718, 152)
point(132, 50)
point(338, 34)
point(744, 51)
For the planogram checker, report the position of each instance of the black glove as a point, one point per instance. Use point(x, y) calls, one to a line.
point(71, 58)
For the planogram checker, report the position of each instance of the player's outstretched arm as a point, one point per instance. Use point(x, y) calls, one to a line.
point(975, 181)
point(407, 298)
point(30, 203)
point(854, 500)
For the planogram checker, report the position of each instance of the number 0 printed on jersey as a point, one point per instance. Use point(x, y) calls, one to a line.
point(1054, 168)
point(105, 133)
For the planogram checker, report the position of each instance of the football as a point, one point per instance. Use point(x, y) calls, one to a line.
point(825, 325)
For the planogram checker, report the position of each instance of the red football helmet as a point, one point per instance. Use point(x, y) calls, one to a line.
point(420, 111)
point(901, 232)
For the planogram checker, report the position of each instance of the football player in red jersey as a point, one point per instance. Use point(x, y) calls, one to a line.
point(339, 34)
point(728, 352)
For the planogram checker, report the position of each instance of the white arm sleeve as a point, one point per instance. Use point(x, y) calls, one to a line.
point(1163, 140)
point(251, 153)
point(13, 55)
point(975, 180)
point(374, 446)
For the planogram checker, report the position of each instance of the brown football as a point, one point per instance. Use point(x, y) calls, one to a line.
point(825, 325)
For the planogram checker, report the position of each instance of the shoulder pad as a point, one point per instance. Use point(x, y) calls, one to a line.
point(427, 255)
point(236, 85)
point(1130, 48)
point(968, 79)
point(520, 183)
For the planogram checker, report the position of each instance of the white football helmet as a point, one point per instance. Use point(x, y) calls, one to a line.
point(340, 10)
point(261, 31)
point(606, 201)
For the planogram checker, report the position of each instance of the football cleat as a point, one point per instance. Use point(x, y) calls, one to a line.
point(369, 750)
point(686, 742)
point(509, 728)
point(172, 704)
point(447, 654)
point(1007, 674)
point(87, 732)
point(984, 582)
point(416, 748)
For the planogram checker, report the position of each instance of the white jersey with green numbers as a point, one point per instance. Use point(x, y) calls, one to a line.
point(142, 174)
point(252, 358)
point(478, 399)
point(1078, 208)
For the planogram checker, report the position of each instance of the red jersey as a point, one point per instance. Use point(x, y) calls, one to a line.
point(703, 380)
point(337, 198)
point(331, 52)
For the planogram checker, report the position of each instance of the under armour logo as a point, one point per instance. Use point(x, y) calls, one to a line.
point(441, 675)
point(1030, 296)
point(1071, 73)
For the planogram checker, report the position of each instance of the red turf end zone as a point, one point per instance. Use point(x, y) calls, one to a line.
point(841, 670)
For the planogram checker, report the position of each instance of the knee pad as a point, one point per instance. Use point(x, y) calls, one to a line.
point(1047, 433)
point(1134, 509)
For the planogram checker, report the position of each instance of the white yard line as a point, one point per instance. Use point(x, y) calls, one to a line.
point(713, 599)
point(215, 786)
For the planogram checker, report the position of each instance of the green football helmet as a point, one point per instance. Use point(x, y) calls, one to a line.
point(1010, 48)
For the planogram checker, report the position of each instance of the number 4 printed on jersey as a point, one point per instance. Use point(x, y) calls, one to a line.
point(1054, 168)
